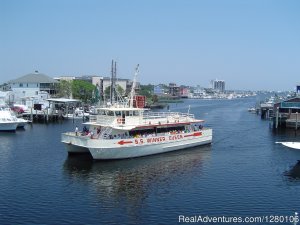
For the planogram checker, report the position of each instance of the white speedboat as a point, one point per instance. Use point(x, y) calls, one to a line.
point(78, 114)
point(294, 145)
point(22, 122)
point(120, 131)
point(8, 122)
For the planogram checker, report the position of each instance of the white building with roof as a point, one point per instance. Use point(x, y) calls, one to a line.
point(34, 87)
point(33, 83)
point(123, 83)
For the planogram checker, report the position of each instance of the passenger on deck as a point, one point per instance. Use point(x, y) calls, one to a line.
point(85, 130)
point(76, 131)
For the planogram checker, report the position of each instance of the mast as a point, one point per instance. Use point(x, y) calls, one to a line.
point(132, 93)
point(113, 81)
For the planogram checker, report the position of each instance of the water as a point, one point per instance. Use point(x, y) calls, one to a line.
point(243, 173)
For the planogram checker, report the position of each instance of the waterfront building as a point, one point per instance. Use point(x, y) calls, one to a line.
point(32, 84)
point(218, 85)
point(123, 83)
point(287, 113)
point(102, 83)
point(298, 89)
point(174, 90)
point(158, 90)
point(93, 79)
point(184, 92)
point(32, 88)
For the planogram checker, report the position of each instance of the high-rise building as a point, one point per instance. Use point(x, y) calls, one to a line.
point(218, 85)
point(174, 90)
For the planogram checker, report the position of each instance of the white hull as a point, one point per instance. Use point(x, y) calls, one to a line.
point(105, 149)
point(8, 126)
point(21, 122)
point(73, 149)
point(75, 144)
point(294, 145)
point(74, 116)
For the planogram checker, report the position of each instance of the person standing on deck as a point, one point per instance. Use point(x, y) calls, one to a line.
point(76, 131)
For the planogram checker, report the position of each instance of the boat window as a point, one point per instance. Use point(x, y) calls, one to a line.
point(126, 113)
point(170, 129)
point(109, 113)
point(118, 113)
point(100, 112)
point(135, 113)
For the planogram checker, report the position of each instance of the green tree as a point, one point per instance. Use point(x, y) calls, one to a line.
point(64, 89)
point(154, 98)
point(120, 90)
point(83, 90)
point(146, 90)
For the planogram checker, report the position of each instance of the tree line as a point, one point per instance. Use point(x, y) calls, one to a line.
point(89, 93)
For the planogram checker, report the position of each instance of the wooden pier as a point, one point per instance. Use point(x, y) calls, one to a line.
point(54, 112)
point(42, 116)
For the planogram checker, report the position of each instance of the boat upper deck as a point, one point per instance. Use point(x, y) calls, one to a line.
point(140, 118)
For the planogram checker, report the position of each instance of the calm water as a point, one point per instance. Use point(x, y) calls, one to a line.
point(243, 173)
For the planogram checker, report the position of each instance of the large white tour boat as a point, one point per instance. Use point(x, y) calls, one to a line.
point(119, 131)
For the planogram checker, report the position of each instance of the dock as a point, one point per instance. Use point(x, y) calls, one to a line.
point(287, 113)
point(54, 112)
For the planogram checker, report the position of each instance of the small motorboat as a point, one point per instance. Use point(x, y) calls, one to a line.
point(294, 145)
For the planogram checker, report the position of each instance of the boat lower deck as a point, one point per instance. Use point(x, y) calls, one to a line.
point(119, 148)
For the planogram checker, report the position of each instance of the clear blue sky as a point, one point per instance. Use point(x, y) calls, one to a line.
point(249, 44)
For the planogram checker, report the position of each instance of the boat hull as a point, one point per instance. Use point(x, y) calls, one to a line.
point(75, 144)
point(137, 151)
point(73, 149)
point(294, 145)
point(8, 126)
point(102, 149)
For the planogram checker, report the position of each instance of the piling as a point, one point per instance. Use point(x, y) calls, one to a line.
point(47, 119)
point(296, 125)
point(277, 113)
point(31, 115)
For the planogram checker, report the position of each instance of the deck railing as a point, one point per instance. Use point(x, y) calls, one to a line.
point(146, 118)
point(168, 116)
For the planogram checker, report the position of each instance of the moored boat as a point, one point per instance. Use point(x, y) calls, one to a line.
point(22, 123)
point(77, 114)
point(8, 122)
point(294, 145)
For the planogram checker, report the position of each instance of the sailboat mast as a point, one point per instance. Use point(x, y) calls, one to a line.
point(132, 93)
point(113, 81)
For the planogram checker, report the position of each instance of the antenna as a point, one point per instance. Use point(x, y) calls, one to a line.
point(132, 93)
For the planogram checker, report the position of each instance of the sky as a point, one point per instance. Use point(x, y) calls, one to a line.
point(251, 44)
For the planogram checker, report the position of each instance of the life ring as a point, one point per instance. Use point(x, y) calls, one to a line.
point(119, 120)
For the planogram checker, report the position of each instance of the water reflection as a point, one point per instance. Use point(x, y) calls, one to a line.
point(294, 172)
point(285, 132)
point(6, 145)
point(131, 180)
